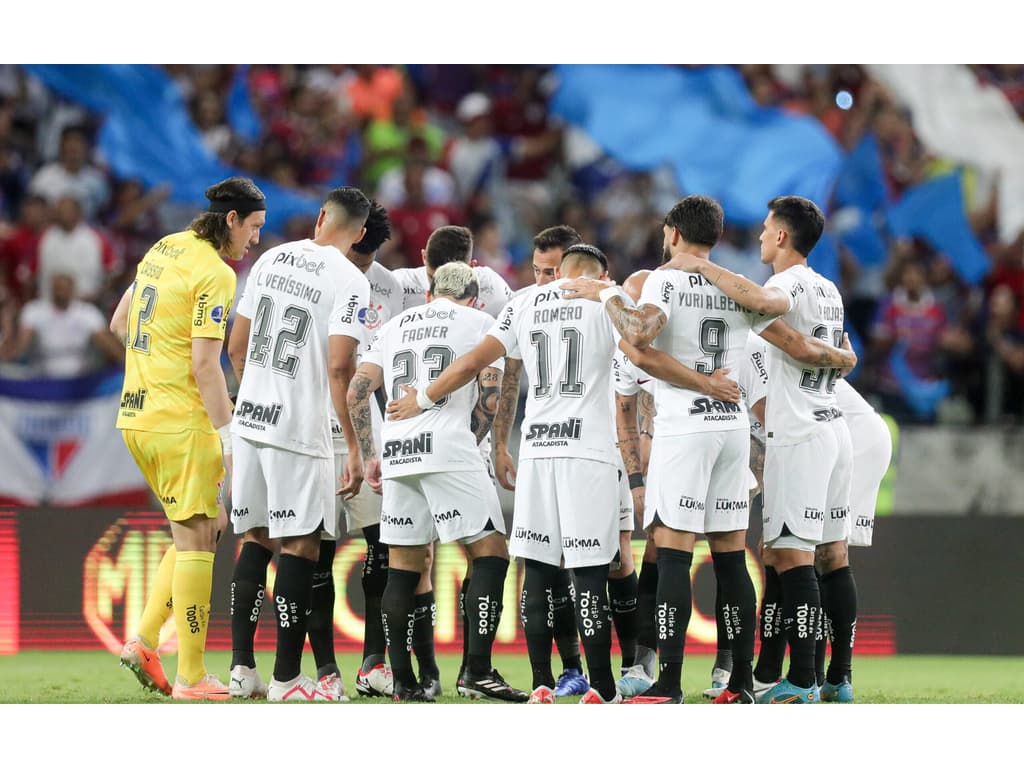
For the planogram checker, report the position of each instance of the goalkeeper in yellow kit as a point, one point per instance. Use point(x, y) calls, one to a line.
point(175, 416)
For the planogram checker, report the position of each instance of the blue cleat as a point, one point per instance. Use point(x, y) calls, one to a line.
point(784, 692)
point(635, 682)
point(572, 682)
point(841, 693)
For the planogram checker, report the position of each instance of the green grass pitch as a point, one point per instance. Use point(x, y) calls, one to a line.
point(94, 677)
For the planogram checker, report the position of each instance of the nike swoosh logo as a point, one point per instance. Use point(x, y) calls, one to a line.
point(642, 381)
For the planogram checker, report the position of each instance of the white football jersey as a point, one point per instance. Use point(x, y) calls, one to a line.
point(802, 398)
point(385, 303)
point(413, 349)
point(753, 380)
point(296, 296)
point(567, 348)
point(706, 330)
point(494, 291)
point(860, 416)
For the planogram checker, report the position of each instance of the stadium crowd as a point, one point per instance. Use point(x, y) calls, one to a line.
point(479, 146)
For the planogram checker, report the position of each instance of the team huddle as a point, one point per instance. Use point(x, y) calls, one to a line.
point(384, 401)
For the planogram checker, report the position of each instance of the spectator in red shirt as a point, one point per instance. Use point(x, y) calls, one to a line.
point(413, 222)
point(19, 252)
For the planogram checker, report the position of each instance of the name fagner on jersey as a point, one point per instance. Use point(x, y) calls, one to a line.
point(705, 330)
point(567, 348)
point(297, 295)
point(413, 349)
point(799, 398)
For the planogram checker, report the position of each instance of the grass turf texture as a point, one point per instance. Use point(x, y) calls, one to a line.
point(94, 677)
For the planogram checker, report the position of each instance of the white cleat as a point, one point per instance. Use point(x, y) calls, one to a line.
point(332, 686)
point(377, 682)
point(760, 689)
point(302, 688)
point(246, 683)
point(634, 682)
point(719, 681)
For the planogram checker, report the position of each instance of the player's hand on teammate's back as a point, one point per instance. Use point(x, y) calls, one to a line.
point(848, 347)
point(721, 387)
point(585, 288)
point(406, 407)
point(505, 468)
point(373, 475)
point(351, 476)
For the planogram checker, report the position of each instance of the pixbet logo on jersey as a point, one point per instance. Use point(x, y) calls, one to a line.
point(314, 267)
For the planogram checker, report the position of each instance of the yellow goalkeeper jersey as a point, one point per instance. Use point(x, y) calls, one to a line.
point(183, 290)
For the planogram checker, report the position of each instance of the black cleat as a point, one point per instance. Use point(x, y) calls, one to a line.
point(490, 686)
point(415, 693)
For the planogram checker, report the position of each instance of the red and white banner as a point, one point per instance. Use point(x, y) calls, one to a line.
point(59, 445)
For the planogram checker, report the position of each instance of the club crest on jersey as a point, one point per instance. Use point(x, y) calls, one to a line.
point(257, 415)
point(555, 434)
point(409, 451)
point(370, 316)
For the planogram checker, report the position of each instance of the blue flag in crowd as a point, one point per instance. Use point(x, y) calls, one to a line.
point(704, 123)
point(934, 211)
point(240, 113)
point(148, 134)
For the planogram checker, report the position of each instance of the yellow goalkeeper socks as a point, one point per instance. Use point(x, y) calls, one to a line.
point(158, 605)
point(193, 580)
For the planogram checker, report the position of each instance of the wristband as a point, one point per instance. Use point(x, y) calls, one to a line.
point(225, 438)
point(636, 480)
point(645, 432)
point(609, 293)
point(424, 402)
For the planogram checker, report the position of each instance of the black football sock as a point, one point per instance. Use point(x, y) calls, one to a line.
point(248, 589)
point(563, 613)
point(672, 614)
point(423, 635)
point(839, 599)
point(737, 610)
point(646, 599)
point(535, 615)
point(622, 594)
point(484, 605)
point(397, 606)
point(375, 578)
point(464, 616)
point(773, 636)
point(320, 625)
point(821, 638)
point(801, 605)
point(293, 592)
point(723, 649)
point(594, 616)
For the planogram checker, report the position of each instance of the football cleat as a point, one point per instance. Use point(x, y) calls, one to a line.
point(648, 659)
point(412, 693)
point(572, 682)
point(432, 686)
point(761, 688)
point(490, 686)
point(209, 688)
point(841, 693)
point(333, 686)
point(302, 688)
point(146, 666)
point(634, 682)
point(719, 680)
point(375, 682)
point(728, 697)
point(656, 695)
point(593, 697)
point(246, 683)
point(784, 692)
point(542, 694)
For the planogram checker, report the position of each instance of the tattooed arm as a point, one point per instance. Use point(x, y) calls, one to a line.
point(645, 419)
point(756, 464)
point(504, 467)
point(629, 447)
point(638, 326)
point(367, 379)
point(488, 386)
point(809, 350)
